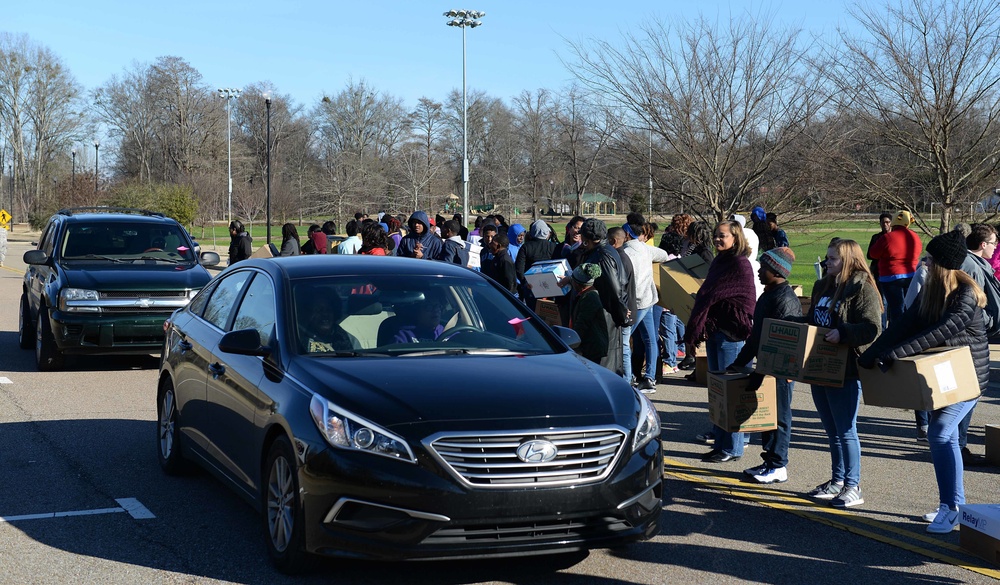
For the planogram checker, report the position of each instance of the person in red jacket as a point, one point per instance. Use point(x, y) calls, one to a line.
point(898, 255)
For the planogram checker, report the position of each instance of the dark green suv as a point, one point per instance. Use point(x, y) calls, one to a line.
point(103, 280)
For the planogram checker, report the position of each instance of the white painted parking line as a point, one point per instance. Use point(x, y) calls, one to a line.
point(135, 509)
point(5, 380)
point(129, 505)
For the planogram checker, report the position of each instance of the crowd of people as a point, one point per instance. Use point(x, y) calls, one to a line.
point(907, 300)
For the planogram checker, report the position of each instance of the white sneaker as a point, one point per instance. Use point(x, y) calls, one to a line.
point(772, 475)
point(756, 470)
point(945, 521)
point(929, 516)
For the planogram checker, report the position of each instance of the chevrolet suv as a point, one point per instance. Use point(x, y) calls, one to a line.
point(103, 280)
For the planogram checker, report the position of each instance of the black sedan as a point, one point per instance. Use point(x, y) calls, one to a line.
point(390, 408)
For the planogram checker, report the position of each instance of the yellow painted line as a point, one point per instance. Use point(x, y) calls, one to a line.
point(12, 269)
point(824, 515)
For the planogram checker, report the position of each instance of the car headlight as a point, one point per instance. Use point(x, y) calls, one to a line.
point(345, 430)
point(68, 295)
point(649, 424)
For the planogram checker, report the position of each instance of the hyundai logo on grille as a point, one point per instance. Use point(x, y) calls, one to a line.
point(537, 451)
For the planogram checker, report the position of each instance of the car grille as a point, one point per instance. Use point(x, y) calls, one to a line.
point(490, 460)
point(569, 529)
point(152, 294)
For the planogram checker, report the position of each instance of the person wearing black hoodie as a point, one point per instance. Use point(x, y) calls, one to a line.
point(536, 248)
point(419, 241)
point(241, 244)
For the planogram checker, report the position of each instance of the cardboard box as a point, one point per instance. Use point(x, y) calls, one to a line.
point(545, 276)
point(475, 253)
point(548, 311)
point(980, 530)
point(679, 283)
point(797, 351)
point(734, 409)
point(265, 251)
point(993, 444)
point(926, 381)
point(700, 369)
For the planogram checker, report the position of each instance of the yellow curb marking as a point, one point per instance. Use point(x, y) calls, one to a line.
point(823, 515)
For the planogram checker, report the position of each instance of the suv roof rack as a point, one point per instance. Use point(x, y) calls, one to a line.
point(107, 209)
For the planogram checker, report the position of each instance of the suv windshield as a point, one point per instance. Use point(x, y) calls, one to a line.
point(125, 242)
point(398, 315)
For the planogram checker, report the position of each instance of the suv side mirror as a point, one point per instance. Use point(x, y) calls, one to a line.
point(243, 342)
point(209, 259)
point(35, 257)
point(569, 337)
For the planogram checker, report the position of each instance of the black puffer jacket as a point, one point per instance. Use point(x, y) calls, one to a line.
point(962, 324)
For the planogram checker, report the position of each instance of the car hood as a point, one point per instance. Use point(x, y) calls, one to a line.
point(449, 392)
point(142, 277)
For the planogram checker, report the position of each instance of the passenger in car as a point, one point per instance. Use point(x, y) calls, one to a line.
point(320, 330)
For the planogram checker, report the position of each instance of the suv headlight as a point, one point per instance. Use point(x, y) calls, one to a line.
point(649, 424)
point(68, 295)
point(344, 430)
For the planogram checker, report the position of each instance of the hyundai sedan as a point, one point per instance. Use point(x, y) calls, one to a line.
point(392, 408)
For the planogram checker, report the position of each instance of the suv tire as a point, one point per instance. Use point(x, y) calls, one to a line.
point(48, 358)
point(25, 325)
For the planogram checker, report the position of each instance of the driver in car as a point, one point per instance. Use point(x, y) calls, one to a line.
point(320, 330)
point(426, 324)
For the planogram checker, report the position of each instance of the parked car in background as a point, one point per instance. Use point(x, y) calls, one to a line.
point(103, 280)
point(391, 408)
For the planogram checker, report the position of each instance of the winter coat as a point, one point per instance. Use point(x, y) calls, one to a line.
point(240, 247)
point(643, 257)
point(857, 315)
point(590, 322)
point(725, 302)
point(779, 302)
point(897, 252)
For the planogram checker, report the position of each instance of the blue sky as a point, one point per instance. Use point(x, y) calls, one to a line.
point(311, 48)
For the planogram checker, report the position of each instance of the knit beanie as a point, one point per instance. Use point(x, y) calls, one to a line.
point(779, 261)
point(594, 230)
point(903, 218)
point(949, 250)
point(586, 273)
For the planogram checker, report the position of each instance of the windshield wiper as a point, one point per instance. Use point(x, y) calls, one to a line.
point(348, 353)
point(99, 257)
point(158, 259)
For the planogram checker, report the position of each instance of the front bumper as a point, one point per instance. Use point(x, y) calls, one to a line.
point(355, 510)
point(96, 334)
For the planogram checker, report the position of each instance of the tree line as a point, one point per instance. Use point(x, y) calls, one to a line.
point(901, 110)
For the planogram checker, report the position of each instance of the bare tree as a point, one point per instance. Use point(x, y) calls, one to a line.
point(725, 101)
point(923, 81)
point(125, 106)
point(535, 128)
point(584, 131)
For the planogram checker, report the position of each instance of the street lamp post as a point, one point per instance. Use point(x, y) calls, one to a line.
point(73, 180)
point(465, 19)
point(97, 147)
point(267, 103)
point(650, 172)
point(229, 94)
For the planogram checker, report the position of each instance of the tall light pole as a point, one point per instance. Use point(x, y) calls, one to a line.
point(465, 19)
point(650, 214)
point(97, 147)
point(267, 103)
point(73, 181)
point(229, 94)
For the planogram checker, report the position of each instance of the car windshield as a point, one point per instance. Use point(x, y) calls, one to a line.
point(409, 316)
point(125, 242)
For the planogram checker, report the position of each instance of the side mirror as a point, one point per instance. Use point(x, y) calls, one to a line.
point(209, 259)
point(243, 342)
point(569, 337)
point(35, 257)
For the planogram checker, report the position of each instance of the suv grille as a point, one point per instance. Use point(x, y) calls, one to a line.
point(490, 460)
point(131, 294)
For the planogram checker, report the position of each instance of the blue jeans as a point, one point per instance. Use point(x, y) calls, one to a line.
point(627, 353)
point(646, 329)
point(776, 442)
point(894, 292)
point(721, 354)
point(672, 329)
point(838, 411)
point(945, 452)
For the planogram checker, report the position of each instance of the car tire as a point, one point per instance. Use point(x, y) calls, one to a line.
point(168, 447)
point(283, 517)
point(48, 358)
point(25, 325)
